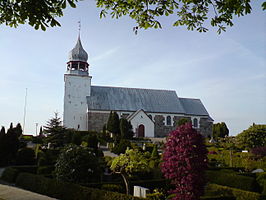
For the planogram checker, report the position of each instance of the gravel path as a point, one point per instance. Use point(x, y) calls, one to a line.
point(13, 193)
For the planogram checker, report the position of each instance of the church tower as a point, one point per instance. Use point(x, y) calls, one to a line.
point(77, 88)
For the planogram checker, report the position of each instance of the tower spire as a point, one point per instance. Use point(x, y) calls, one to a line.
point(79, 27)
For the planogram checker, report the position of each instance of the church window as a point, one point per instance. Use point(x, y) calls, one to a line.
point(168, 120)
point(195, 122)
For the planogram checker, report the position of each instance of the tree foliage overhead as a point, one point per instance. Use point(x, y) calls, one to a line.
point(184, 162)
point(254, 136)
point(194, 14)
point(39, 14)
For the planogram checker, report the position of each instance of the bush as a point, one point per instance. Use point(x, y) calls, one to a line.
point(66, 191)
point(261, 179)
point(217, 198)
point(112, 187)
point(46, 170)
point(218, 190)
point(25, 156)
point(77, 165)
point(121, 147)
point(27, 168)
point(10, 174)
point(232, 180)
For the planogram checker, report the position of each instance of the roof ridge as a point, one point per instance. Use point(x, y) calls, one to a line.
point(133, 88)
point(188, 98)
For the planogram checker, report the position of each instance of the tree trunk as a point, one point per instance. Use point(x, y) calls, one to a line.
point(126, 183)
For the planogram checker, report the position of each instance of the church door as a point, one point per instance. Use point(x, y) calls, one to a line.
point(141, 131)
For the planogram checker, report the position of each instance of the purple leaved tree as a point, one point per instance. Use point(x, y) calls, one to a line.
point(184, 162)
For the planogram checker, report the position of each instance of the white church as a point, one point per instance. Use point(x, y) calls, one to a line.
point(152, 113)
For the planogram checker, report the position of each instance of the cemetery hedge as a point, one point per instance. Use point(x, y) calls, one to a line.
point(10, 174)
point(64, 190)
point(219, 190)
point(232, 180)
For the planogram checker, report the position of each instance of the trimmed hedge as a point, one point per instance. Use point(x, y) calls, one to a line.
point(46, 170)
point(65, 191)
point(233, 180)
point(26, 168)
point(10, 174)
point(261, 179)
point(217, 198)
point(216, 190)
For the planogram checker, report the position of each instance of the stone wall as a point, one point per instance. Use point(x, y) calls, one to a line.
point(205, 127)
point(96, 121)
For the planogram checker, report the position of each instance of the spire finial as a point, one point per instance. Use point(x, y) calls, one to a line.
point(79, 26)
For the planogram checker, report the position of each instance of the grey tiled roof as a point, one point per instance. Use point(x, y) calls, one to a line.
point(193, 106)
point(132, 99)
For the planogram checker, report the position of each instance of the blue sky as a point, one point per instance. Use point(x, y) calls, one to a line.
point(227, 72)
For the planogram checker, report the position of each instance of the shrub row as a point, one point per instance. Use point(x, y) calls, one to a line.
point(10, 174)
point(233, 180)
point(261, 179)
point(65, 191)
point(217, 198)
point(217, 190)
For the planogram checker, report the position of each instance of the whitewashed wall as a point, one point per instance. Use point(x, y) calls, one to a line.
point(142, 118)
point(75, 102)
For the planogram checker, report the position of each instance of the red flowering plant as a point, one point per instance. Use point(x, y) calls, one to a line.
point(184, 162)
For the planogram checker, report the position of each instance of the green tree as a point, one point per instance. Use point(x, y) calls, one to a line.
point(220, 130)
point(113, 124)
point(92, 141)
point(12, 142)
point(25, 156)
point(77, 164)
point(155, 154)
point(125, 129)
point(183, 121)
point(129, 163)
point(254, 136)
point(121, 147)
point(55, 131)
point(76, 138)
point(146, 13)
point(3, 147)
point(192, 14)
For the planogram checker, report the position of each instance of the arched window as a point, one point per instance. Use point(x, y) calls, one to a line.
point(168, 121)
point(195, 122)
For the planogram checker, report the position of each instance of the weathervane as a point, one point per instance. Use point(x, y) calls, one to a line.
point(79, 26)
